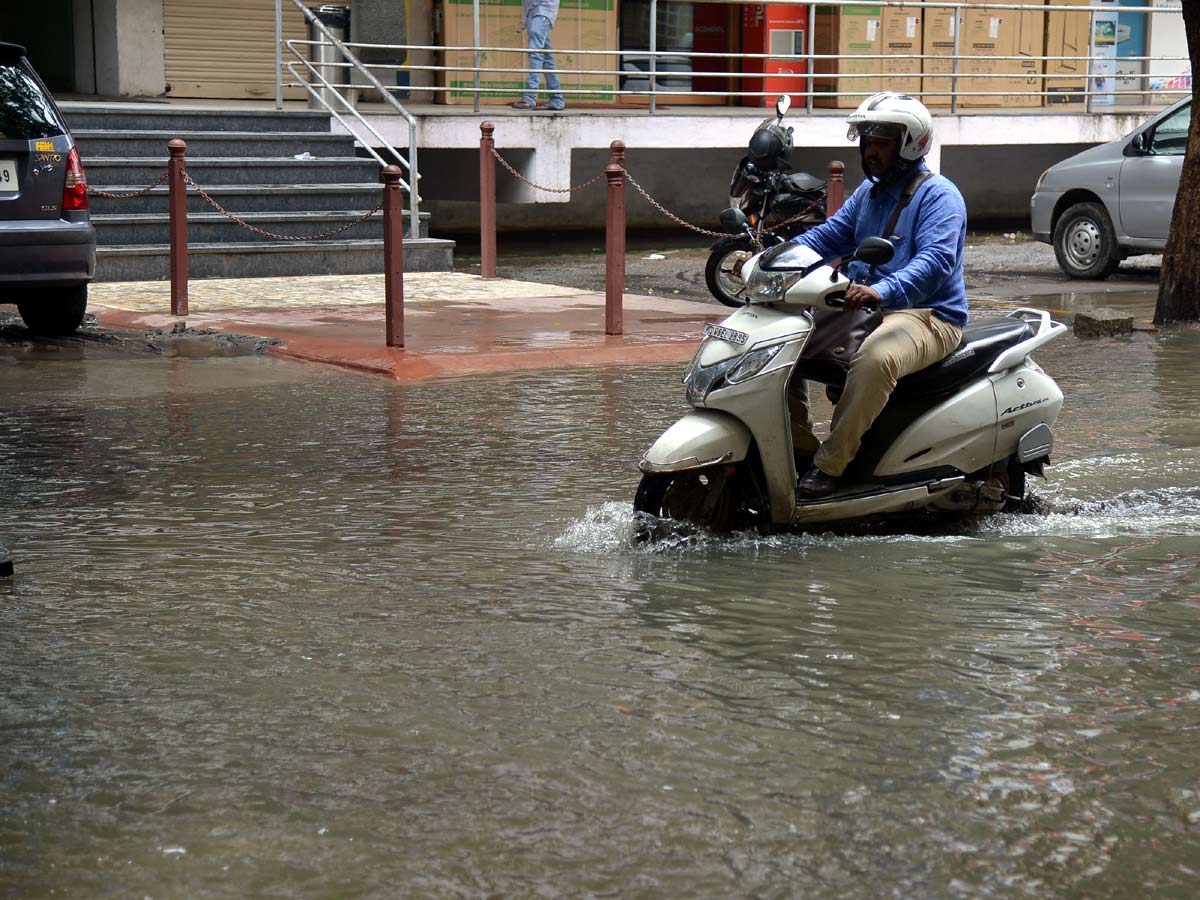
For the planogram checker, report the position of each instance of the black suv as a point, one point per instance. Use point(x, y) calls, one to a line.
point(47, 242)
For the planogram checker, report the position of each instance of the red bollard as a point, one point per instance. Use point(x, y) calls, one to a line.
point(614, 250)
point(178, 227)
point(617, 151)
point(835, 191)
point(393, 255)
point(487, 201)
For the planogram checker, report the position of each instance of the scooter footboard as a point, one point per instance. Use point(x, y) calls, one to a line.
point(701, 438)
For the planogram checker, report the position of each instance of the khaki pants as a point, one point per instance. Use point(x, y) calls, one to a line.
point(907, 341)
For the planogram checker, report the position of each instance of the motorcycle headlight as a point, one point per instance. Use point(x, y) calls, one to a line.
point(769, 287)
point(752, 363)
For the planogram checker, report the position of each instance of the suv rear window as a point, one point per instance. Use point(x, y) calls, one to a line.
point(25, 112)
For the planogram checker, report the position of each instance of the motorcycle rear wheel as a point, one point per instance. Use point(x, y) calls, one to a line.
point(720, 272)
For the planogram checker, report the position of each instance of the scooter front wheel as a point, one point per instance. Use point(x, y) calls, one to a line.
point(722, 272)
point(706, 498)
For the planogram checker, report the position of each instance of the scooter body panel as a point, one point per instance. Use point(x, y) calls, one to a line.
point(1025, 398)
point(895, 500)
point(701, 438)
point(762, 325)
point(960, 432)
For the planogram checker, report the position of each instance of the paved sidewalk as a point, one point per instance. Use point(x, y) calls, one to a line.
point(455, 323)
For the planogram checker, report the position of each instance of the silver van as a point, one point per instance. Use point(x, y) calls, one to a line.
point(1115, 200)
point(47, 242)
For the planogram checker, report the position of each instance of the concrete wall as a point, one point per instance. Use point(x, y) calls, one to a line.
point(996, 183)
point(685, 162)
point(134, 64)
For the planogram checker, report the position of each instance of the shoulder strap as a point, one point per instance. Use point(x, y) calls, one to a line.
point(910, 191)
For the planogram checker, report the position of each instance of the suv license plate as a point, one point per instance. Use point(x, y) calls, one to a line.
point(8, 175)
point(721, 333)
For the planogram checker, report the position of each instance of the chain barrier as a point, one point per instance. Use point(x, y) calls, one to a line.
point(520, 177)
point(99, 193)
point(641, 190)
point(271, 234)
point(796, 218)
point(666, 212)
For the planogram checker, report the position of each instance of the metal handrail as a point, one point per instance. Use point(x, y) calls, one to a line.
point(409, 164)
point(948, 81)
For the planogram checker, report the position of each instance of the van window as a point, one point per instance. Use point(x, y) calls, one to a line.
point(25, 112)
point(1171, 134)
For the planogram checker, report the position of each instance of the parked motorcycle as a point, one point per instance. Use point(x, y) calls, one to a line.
point(958, 437)
point(778, 203)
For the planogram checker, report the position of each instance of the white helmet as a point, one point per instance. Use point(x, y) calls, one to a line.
point(894, 115)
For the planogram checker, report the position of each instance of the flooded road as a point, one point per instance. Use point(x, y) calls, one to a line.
point(281, 631)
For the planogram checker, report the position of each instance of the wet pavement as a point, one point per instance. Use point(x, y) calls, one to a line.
point(278, 629)
point(282, 629)
point(545, 311)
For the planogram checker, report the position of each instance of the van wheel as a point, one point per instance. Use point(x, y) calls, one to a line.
point(1085, 242)
point(56, 311)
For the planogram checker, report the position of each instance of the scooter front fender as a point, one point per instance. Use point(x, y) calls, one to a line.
point(701, 438)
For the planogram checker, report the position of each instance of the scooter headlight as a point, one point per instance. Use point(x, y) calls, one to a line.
point(752, 364)
point(691, 367)
point(769, 287)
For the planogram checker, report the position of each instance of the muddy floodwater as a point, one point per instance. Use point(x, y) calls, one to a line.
point(279, 631)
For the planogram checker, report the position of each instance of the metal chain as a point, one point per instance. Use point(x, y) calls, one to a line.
point(145, 190)
point(662, 209)
point(670, 215)
point(796, 218)
point(271, 234)
point(520, 177)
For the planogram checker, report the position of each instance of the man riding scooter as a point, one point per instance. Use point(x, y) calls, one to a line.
point(921, 292)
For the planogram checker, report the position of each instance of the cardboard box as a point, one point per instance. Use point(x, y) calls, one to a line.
point(581, 25)
point(937, 40)
point(902, 43)
point(1066, 36)
point(848, 31)
point(989, 35)
point(774, 28)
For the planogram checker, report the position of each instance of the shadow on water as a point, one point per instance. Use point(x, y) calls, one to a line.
point(280, 630)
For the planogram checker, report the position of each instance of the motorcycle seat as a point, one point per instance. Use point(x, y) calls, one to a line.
point(803, 183)
point(981, 343)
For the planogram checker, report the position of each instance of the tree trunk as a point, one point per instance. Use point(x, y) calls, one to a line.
point(1179, 280)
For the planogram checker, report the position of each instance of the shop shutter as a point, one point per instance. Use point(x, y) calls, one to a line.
point(225, 49)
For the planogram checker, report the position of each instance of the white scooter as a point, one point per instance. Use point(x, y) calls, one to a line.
point(957, 437)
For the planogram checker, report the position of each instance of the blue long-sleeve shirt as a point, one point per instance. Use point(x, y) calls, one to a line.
point(927, 269)
point(531, 8)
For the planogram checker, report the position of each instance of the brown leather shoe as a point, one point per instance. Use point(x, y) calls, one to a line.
point(816, 484)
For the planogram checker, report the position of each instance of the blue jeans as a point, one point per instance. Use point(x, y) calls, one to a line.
point(542, 60)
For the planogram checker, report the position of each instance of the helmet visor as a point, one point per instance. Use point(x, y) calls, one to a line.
point(888, 130)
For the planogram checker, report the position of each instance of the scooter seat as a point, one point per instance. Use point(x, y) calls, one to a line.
point(981, 343)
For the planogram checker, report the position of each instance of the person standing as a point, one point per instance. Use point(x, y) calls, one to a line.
point(538, 20)
point(921, 291)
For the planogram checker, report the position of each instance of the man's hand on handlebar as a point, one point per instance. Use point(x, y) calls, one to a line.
point(859, 295)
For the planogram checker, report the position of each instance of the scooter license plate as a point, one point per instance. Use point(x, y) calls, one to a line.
point(721, 333)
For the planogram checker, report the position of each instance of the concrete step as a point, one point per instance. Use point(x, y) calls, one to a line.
point(150, 262)
point(99, 145)
point(214, 228)
point(81, 115)
point(243, 198)
point(237, 170)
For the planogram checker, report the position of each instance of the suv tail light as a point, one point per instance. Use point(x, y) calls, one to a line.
point(75, 193)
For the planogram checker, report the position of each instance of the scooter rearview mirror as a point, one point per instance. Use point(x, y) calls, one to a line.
point(782, 105)
point(733, 221)
point(875, 251)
